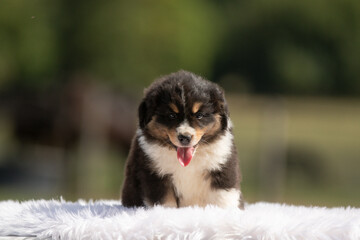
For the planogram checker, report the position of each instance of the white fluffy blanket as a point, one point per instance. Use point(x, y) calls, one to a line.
point(59, 219)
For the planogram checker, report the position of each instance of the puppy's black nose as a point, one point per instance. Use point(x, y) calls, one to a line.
point(184, 139)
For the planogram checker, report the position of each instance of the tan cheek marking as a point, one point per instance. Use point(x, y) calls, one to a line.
point(161, 132)
point(174, 107)
point(209, 130)
point(157, 130)
point(198, 134)
point(215, 127)
point(173, 136)
point(196, 107)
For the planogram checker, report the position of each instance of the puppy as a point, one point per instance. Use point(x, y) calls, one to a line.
point(183, 152)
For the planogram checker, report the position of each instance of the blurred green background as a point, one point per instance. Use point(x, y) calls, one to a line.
point(72, 74)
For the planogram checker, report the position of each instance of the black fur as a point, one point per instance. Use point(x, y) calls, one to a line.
point(141, 181)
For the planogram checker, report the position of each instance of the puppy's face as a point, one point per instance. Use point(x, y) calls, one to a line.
point(182, 111)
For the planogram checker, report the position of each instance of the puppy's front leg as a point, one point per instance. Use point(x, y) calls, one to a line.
point(170, 200)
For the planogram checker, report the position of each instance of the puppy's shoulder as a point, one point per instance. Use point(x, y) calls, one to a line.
point(228, 175)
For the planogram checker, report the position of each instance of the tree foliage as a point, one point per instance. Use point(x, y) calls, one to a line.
point(280, 46)
point(277, 46)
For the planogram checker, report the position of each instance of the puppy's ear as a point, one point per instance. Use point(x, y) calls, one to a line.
point(144, 114)
point(218, 97)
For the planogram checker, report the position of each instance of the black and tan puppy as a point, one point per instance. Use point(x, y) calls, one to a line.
point(183, 153)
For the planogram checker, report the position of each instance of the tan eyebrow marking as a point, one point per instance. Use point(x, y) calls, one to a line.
point(196, 107)
point(174, 107)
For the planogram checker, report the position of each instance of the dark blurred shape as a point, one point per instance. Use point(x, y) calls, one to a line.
point(55, 117)
point(53, 128)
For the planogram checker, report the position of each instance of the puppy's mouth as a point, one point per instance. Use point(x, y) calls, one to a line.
point(185, 154)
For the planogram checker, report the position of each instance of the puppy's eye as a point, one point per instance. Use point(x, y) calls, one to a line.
point(199, 115)
point(172, 116)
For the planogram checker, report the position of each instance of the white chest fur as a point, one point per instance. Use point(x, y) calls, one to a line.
point(192, 183)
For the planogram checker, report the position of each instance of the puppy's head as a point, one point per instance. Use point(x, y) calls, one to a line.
point(182, 111)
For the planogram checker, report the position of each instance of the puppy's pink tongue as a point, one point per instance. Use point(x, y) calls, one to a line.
point(184, 155)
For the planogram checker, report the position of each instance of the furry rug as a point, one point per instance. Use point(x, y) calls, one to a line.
point(59, 219)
